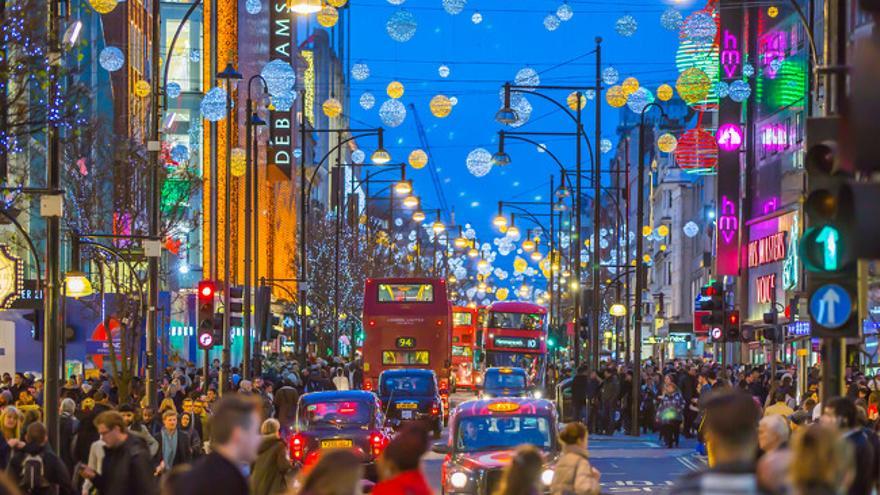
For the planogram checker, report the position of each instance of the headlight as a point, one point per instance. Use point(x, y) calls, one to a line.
point(479, 380)
point(487, 396)
point(537, 394)
point(459, 479)
point(547, 477)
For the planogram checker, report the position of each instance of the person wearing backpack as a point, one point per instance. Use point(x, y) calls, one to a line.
point(37, 469)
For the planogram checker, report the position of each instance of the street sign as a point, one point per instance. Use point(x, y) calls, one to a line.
point(831, 306)
point(206, 340)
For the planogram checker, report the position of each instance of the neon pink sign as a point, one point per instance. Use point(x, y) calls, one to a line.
point(728, 220)
point(730, 57)
point(772, 49)
point(729, 137)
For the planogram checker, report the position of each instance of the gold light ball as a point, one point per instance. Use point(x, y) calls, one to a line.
point(646, 258)
point(664, 92)
point(663, 230)
point(394, 89)
point(328, 16)
point(615, 96)
point(646, 230)
point(772, 11)
point(103, 6)
point(501, 294)
point(332, 108)
point(572, 101)
point(693, 85)
point(238, 162)
point(630, 85)
point(337, 3)
point(441, 106)
point(418, 158)
point(142, 89)
point(667, 142)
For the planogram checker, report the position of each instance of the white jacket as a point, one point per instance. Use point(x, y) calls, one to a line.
point(573, 474)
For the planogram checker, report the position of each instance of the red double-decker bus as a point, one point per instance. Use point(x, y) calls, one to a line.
point(516, 336)
point(464, 347)
point(407, 324)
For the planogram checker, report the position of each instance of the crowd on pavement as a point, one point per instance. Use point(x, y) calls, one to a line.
point(759, 434)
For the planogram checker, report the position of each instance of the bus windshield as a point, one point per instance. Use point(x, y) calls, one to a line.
point(406, 293)
point(523, 321)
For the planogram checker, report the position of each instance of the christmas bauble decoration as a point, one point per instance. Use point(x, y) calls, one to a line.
point(615, 96)
point(172, 90)
point(394, 89)
point(454, 7)
point(401, 26)
point(418, 159)
point(328, 16)
point(440, 106)
point(693, 85)
point(367, 100)
point(332, 107)
point(626, 26)
point(610, 76)
point(664, 92)
point(279, 76)
point(392, 112)
point(103, 6)
point(479, 162)
point(360, 71)
point(111, 59)
point(213, 105)
point(667, 142)
point(142, 89)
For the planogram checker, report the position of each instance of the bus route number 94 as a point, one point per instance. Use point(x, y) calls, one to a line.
point(405, 342)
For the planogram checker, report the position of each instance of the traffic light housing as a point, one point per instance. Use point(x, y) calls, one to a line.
point(205, 313)
point(731, 326)
point(828, 247)
point(712, 300)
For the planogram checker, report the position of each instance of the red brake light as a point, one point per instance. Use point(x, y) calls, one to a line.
point(378, 442)
point(368, 386)
point(435, 409)
point(439, 322)
point(371, 323)
point(297, 447)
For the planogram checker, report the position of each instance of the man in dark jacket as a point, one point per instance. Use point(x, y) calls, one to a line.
point(235, 442)
point(126, 468)
point(174, 445)
point(68, 425)
point(579, 394)
point(841, 412)
point(37, 469)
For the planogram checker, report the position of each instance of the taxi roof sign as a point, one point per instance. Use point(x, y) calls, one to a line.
point(505, 370)
point(503, 406)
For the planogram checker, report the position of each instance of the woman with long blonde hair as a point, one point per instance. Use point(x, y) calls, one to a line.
point(822, 461)
point(523, 475)
point(337, 472)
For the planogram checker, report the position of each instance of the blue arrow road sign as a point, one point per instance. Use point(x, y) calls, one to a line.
point(831, 306)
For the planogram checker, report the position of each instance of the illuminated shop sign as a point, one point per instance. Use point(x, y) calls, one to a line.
point(768, 249)
point(728, 220)
point(731, 60)
point(765, 286)
point(280, 45)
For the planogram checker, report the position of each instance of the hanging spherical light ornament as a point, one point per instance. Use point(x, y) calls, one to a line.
point(772, 11)
point(360, 71)
point(172, 90)
point(443, 71)
point(615, 96)
point(253, 7)
point(629, 85)
point(367, 100)
point(396, 2)
point(722, 89)
point(522, 107)
point(179, 153)
point(103, 6)
point(401, 26)
point(610, 76)
point(667, 142)
point(748, 70)
point(142, 89)
point(479, 162)
point(358, 156)
point(520, 264)
point(332, 108)
point(440, 106)
point(392, 113)
point(626, 26)
point(502, 293)
point(111, 59)
point(238, 162)
point(691, 229)
point(213, 105)
point(696, 149)
point(283, 102)
point(640, 99)
point(551, 22)
point(693, 85)
point(526, 76)
point(195, 56)
point(671, 19)
point(664, 92)
point(337, 3)
point(279, 76)
point(646, 230)
point(564, 12)
point(739, 91)
point(394, 89)
point(699, 27)
point(573, 98)
point(454, 7)
point(453, 100)
point(477, 18)
point(605, 145)
point(418, 159)
point(590, 94)
point(663, 230)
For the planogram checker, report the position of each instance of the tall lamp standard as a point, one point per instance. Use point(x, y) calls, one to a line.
point(640, 275)
point(251, 198)
point(231, 76)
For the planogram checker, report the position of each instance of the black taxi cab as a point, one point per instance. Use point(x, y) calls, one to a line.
point(483, 437)
point(506, 382)
point(412, 395)
point(349, 419)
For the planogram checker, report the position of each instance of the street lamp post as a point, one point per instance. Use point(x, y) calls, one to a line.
point(640, 275)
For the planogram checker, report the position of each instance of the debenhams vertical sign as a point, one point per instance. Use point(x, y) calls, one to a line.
point(280, 48)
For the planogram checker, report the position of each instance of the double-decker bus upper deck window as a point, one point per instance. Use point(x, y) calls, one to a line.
point(524, 321)
point(460, 318)
point(406, 293)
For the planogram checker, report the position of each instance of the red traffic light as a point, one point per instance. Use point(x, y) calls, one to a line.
point(206, 289)
point(733, 318)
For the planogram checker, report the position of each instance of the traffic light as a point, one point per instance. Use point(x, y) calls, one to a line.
point(712, 300)
point(731, 326)
point(205, 313)
point(236, 306)
point(827, 246)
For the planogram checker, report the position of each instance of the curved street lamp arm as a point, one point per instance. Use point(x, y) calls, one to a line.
point(551, 100)
point(543, 147)
point(122, 258)
point(327, 155)
point(170, 53)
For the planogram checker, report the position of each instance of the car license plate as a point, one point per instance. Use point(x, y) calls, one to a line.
point(407, 405)
point(335, 444)
point(406, 414)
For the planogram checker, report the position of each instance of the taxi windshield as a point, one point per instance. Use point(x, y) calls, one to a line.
point(482, 433)
point(337, 414)
point(509, 379)
point(406, 385)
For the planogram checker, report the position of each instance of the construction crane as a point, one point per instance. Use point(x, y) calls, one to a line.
point(432, 167)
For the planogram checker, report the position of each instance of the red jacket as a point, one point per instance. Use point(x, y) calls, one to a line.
point(406, 483)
